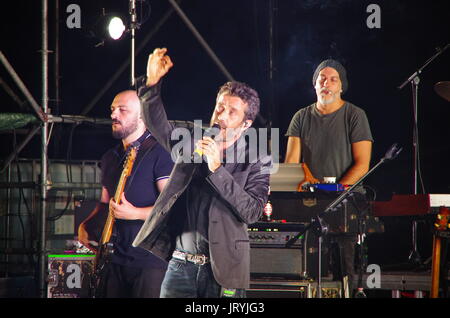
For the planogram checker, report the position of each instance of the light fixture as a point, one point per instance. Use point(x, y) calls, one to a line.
point(116, 28)
point(108, 27)
point(111, 27)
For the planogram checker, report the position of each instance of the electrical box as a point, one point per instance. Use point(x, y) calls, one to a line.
point(69, 275)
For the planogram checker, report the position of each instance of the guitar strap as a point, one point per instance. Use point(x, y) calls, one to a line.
point(147, 146)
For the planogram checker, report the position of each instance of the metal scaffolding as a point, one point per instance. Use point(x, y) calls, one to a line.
point(42, 112)
point(45, 118)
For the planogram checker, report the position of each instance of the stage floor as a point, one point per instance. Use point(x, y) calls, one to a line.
point(391, 284)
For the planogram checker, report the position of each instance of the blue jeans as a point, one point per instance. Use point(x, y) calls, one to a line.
point(187, 280)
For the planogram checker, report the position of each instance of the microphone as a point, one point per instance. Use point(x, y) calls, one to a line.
point(210, 132)
point(392, 152)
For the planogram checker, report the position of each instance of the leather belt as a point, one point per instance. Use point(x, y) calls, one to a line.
point(198, 259)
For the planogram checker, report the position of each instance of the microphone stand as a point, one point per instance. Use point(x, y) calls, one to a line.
point(133, 26)
point(414, 79)
point(320, 228)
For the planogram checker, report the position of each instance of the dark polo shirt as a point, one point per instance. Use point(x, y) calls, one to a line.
point(151, 164)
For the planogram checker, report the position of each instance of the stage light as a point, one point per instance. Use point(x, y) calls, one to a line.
point(108, 28)
point(116, 28)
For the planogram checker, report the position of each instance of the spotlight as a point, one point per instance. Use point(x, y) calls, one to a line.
point(114, 25)
point(116, 28)
point(111, 27)
point(108, 28)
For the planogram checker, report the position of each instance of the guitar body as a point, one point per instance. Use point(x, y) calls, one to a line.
point(103, 256)
point(441, 230)
point(435, 267)
point(106, 246)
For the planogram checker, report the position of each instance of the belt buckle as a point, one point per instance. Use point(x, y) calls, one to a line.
point(179, 255)
point(199, 259)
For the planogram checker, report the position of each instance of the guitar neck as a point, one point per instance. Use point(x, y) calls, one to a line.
point(107, 230)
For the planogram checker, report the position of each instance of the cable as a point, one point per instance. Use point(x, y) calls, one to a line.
point(19, 214)
point(69, 175)
point(149, 8)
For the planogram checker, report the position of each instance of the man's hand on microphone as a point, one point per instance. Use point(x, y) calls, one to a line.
point(211, 151)
point(157, 66)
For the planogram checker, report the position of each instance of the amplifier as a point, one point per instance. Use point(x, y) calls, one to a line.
point(270, 257)
point(275, 234)
point(276, 262)
point(278, 289)
point(293, 289)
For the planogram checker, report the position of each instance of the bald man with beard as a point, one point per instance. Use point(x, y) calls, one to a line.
point(132, 271)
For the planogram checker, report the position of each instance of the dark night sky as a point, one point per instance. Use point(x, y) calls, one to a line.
point(304, 33)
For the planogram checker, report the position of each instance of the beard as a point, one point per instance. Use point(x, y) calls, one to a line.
point(326, 98)
point(125, 130)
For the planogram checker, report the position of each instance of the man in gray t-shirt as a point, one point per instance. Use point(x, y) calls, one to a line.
point(327, 139)
point(333, 138)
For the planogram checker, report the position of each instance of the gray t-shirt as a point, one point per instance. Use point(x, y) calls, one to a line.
point(326, 139)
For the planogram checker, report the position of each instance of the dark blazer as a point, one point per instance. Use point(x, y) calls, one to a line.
point(241, 191)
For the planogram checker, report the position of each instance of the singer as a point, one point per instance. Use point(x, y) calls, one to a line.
point(199, 222)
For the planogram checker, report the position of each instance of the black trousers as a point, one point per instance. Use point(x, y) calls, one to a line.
point(132, 282)
point(343, 258)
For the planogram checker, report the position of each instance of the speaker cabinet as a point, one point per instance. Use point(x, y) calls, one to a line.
point(278, 289)
point(264, 288)
point(268, 262)
point(291, 263)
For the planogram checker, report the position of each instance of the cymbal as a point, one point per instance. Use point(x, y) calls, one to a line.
point(443, 89)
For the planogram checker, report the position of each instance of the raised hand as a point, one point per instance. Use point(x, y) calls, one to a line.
point(157, 66)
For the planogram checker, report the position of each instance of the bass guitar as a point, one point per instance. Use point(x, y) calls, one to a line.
point(441, 234)
point(106, 246)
